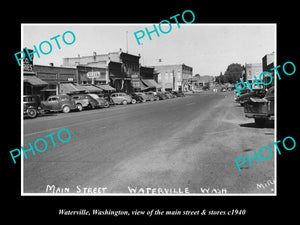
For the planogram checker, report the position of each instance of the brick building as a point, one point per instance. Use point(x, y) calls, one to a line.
point(176, 77)
point(54, 76)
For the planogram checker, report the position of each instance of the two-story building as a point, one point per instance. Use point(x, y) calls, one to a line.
point(123, 70)
point(176, 77)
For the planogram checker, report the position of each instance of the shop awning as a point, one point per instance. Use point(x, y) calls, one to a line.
point(106, 87)
point(151, 83)
point(69, 88)
point(33, 80)
point(90, 88)
point(143, 87)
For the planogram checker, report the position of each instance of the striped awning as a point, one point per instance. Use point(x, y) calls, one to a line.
point(33, 80)
point(106, 87)
point(90, 88)
point(69, 88)
point(151, 83)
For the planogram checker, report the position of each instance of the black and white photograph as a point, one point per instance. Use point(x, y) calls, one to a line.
point(128, 109)
point(170, 114)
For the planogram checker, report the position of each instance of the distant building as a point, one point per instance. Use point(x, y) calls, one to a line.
point(176, 77)
point(267, 64)
point(251, 70)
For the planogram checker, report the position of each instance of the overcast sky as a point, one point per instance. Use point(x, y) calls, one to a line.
point(208, 48)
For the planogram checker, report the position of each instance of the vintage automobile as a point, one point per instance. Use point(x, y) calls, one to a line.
point(169, 95)
point(81, 101)
point(84, 101)
point(136, 98)
point(261, 109)
point(58, 103)
point(256, 93)
point(120, 98)
point(143, 95)
point(161, 96)
point(101, 101)
point(151, 97)
point(237, 96)
point(177, 93)
point(31, 105)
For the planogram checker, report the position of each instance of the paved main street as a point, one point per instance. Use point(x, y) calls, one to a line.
point(188, 142)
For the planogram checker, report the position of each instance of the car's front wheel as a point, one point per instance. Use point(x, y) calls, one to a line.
point(106, 104)
point(124, 102)
point(66, 109)
point(32, 113)
point(133, 101)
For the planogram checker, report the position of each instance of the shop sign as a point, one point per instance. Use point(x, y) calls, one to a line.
point(93, 74)
point(27, 64)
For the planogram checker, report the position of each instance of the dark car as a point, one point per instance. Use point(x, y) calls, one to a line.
point(81, 101)
point(151, 96)
point(256, 93)
point(59, 103)
point(31, 105)
point(169, 95)
point(161, 96)
point(177, 94)
point(136, 98)
point(106, 96)
point(102, 102)
point(261, 109)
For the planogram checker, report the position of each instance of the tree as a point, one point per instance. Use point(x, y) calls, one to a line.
point(233, 73)
point(197, 76)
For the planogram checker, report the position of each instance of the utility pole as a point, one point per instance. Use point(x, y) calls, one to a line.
point(126, 41)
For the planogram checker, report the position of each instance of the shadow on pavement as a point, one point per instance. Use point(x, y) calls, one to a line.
point(267, 124)
point(40, 115)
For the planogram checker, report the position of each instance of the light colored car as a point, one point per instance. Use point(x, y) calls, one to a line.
point(102, 102)
point(120, 98)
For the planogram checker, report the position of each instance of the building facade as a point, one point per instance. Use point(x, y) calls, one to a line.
point(32, 85)
point(54, 76)
point(253, 69)
point(149, 79)
point(123, 69)
point(176, 77)
point(267, 65)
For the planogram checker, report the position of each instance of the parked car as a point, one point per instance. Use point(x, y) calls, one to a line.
point(151, 97)
point(237, 96)
point(31, 105)
point(84, 101)
point(120, 98)
point(106, 96)
point(136, 98)
point(143, 95)
point(169, 95)
point(102, 102)
point(58, 103)
point(161, 96)
point(256, 93)
point(177, 94)
point(261, 109)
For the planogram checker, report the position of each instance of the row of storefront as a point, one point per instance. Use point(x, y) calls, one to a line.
point(70, 79)
point(115, 71)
